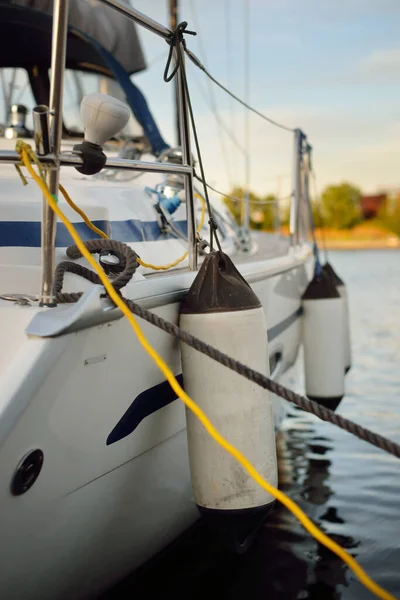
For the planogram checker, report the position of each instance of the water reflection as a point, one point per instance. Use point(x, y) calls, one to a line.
point(326, 573)
point(349, 489)
point(284, 562)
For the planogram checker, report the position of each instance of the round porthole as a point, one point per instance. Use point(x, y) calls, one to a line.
point(27, 472)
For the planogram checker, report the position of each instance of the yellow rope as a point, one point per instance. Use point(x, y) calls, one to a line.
point(212, 431)
point(162, 267)
point(81, 213)
point(178, 260)
point(105, 236)
point(21, 145)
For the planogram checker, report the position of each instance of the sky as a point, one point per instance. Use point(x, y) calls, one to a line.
point(331, 68)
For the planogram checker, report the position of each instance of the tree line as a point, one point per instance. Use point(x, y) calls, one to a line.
point(338, 207)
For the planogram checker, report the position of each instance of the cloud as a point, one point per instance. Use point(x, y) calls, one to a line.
point(333, 71)
point(371, 164)
point(347, 146)
point(382, 62)
point(324, 12)
point(380, 67)
point(342, 11)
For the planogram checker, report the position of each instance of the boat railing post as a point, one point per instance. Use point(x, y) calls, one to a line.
point(277, 217)
point(41, 129)
point(296, 191)
point(306, 181)
point(49, 220)
point(137, 16)
point(173, 23)
point(301, 205)
point(187, 160)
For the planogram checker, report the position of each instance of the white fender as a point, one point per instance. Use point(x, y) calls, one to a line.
point(323, 341)
point(222, 310)
point(341, 288)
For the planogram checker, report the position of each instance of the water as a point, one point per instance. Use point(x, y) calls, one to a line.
point(349, 488)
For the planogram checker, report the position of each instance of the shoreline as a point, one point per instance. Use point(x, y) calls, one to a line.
point(359, 238)
point(385, 244)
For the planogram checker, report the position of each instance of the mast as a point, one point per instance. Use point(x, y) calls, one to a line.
point(173, 23)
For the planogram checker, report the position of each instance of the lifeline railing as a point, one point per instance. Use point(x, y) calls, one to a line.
point(48, 136)
point(55, 159)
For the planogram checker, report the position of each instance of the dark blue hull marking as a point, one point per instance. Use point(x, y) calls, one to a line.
point(285, 324)
point(144, 405)
point(27, 233)
point(151, 400)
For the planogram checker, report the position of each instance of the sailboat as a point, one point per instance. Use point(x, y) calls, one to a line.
point(95, 474)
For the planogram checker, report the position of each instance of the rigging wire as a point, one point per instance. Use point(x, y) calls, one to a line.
point(235, 198)
point(123, 304)
point(320, 216)
point(177, 46)
point(213, 227)
point(222, 124)
point(246, 37)
point(103, 235)
point(212, 98)
point(228, 49)
point(228, 43)
point(200, 66)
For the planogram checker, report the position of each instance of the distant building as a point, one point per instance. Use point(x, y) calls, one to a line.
point(370, 205)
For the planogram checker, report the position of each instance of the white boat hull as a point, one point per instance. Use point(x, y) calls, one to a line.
point(103, 504)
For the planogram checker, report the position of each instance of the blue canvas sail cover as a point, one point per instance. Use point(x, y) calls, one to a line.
point(114, 32)
point(100, 40)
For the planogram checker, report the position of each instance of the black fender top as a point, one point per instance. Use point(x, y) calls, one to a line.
point(219, 287)
point(321, 287)
point(334, 276)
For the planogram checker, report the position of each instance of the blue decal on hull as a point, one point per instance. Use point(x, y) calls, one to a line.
point(151, 400)
point(147, 403)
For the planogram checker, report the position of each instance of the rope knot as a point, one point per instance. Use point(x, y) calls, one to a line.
point(176, 38)
point(27, 154)
point(21, 145)
point(212, 224)
point(177, 35)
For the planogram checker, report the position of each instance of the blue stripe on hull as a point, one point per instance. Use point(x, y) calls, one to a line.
point(27, 233)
